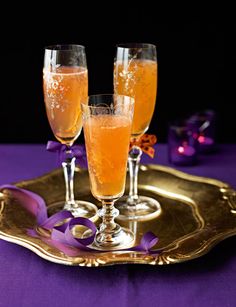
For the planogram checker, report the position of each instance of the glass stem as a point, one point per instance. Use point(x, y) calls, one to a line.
point(134, 160)
point(108, 227)
point(108, 213)
point(69, 170)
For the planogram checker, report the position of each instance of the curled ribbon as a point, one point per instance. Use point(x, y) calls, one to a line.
point(145, 143)
point(58, 227)
point(77, 151)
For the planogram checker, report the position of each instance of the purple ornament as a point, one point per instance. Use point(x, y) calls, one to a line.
point(206, 123)
point(182, 143)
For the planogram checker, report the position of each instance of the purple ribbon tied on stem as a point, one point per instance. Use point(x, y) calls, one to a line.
point(59, 227)
point(64, 151)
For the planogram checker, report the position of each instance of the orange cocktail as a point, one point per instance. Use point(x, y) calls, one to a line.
point(65, 86)
point(107, 122)
point(135, 75)
point(107, 143)
point(138, 78)
point(64, 89)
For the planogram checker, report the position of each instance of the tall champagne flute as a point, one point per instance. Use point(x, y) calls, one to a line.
point(65, 85)
point(135, 75)
point(107, 121)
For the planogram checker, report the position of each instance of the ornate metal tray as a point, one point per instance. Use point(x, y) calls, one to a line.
point(197, 213)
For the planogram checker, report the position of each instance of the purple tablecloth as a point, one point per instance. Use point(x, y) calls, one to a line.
point(28, 280)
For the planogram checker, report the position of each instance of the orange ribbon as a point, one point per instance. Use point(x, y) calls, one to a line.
point(145, 143)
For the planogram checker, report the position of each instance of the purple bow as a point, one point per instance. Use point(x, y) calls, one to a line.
point(61, 236)
point(77, 151)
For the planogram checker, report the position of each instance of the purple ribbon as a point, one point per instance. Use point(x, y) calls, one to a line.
point(77, 151)
point(60, 224)
point(30, 201)
point(148, 240)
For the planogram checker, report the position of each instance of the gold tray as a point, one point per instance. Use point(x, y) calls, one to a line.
point(197, 213)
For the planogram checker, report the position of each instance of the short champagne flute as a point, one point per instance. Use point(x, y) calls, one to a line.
point(65, 85)
point(135, 75)
point(107, 121)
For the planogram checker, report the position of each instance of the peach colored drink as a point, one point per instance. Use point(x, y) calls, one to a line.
point(138, 79)
point(64, 90)
point(107, 144)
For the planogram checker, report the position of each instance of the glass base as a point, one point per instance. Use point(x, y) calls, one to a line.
point(119, 238)
point(82, 209)
point(144, 208)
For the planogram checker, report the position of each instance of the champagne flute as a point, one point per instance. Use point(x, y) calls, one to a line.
point(65, 85)
point(107, 121)
point(135, 75)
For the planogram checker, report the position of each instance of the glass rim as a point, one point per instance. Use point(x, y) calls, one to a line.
point(106, 95)
point(63, 47)
point(135, 45)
